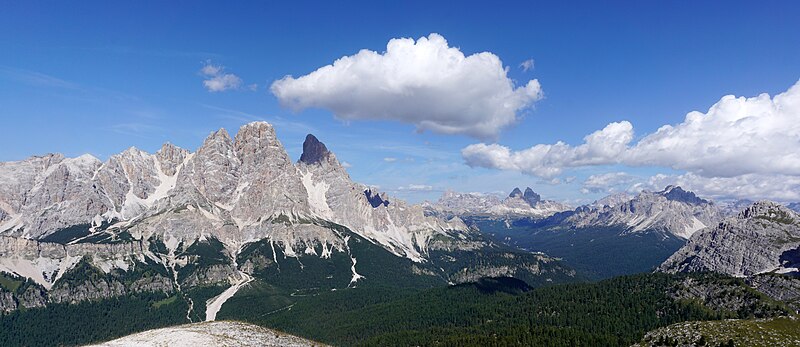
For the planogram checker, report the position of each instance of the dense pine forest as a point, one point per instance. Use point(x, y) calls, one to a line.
point(495, 312)
point(489, 312)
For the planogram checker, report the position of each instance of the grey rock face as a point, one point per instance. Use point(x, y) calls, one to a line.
point(33, 297)
point(751, 243)
point(18, 178)
point(779, 287)
point(7, 301)
point(170, 157)
point(719, 296)
point(60, 195)
point(213, 170)
point(270, 184)
point(153, 284)
point(86, 291)
point(215, 274)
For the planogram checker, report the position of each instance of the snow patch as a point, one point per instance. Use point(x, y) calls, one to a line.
point(44, 271)
point(690, 229)
point(317, 198)
point(214, 304)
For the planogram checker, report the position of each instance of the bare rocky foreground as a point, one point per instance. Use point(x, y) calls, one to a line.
point(211, 334)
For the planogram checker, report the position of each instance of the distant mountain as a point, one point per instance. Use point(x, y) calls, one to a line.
point(234, 211)
point(794, 206)
point(732, 208)
point(516, 204)
point(764, 237)
point(672, 211)
point(616, 235)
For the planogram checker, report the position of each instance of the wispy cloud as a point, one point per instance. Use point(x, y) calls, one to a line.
point(136, 129)
point(246, 117)
point(165, 53)
point(37, 79)
point(526, 65)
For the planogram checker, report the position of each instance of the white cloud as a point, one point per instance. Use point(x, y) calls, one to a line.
point(526, 65)
point(211, 70)
point(607, 182)
point(425, 82)
point(749, 186)
point(736, 136)
point(416, 188)
point(390, 159)
point(346, 165)
point(547, 161)
point(217, 80)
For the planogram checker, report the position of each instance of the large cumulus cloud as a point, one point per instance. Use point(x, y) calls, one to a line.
point(737, 136)
point(425, 82)
point(547, 161)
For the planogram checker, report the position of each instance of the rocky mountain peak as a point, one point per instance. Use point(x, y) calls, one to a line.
point(676, 193)
point(256, 144)
point(531, 197)
point(254, 134)
point(771, 211)
point(170, 157)
point(314, 151)
point(216, 139)
point(214, 168)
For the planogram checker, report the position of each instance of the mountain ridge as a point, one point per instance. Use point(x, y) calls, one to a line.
point(234, 209)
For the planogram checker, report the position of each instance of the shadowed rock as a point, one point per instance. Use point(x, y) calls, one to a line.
point(313, 150)
point(375, 200)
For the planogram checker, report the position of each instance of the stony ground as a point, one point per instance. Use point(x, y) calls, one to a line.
point(775, 332)
point(222, 334)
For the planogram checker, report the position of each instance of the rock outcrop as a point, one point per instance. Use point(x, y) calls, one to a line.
point(761, 238)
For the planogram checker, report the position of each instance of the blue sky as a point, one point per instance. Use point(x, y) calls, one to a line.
point(98, 77)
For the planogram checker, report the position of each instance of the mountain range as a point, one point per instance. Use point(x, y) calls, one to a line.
point(516, 204)
point(82, 229)
point(178, 236)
